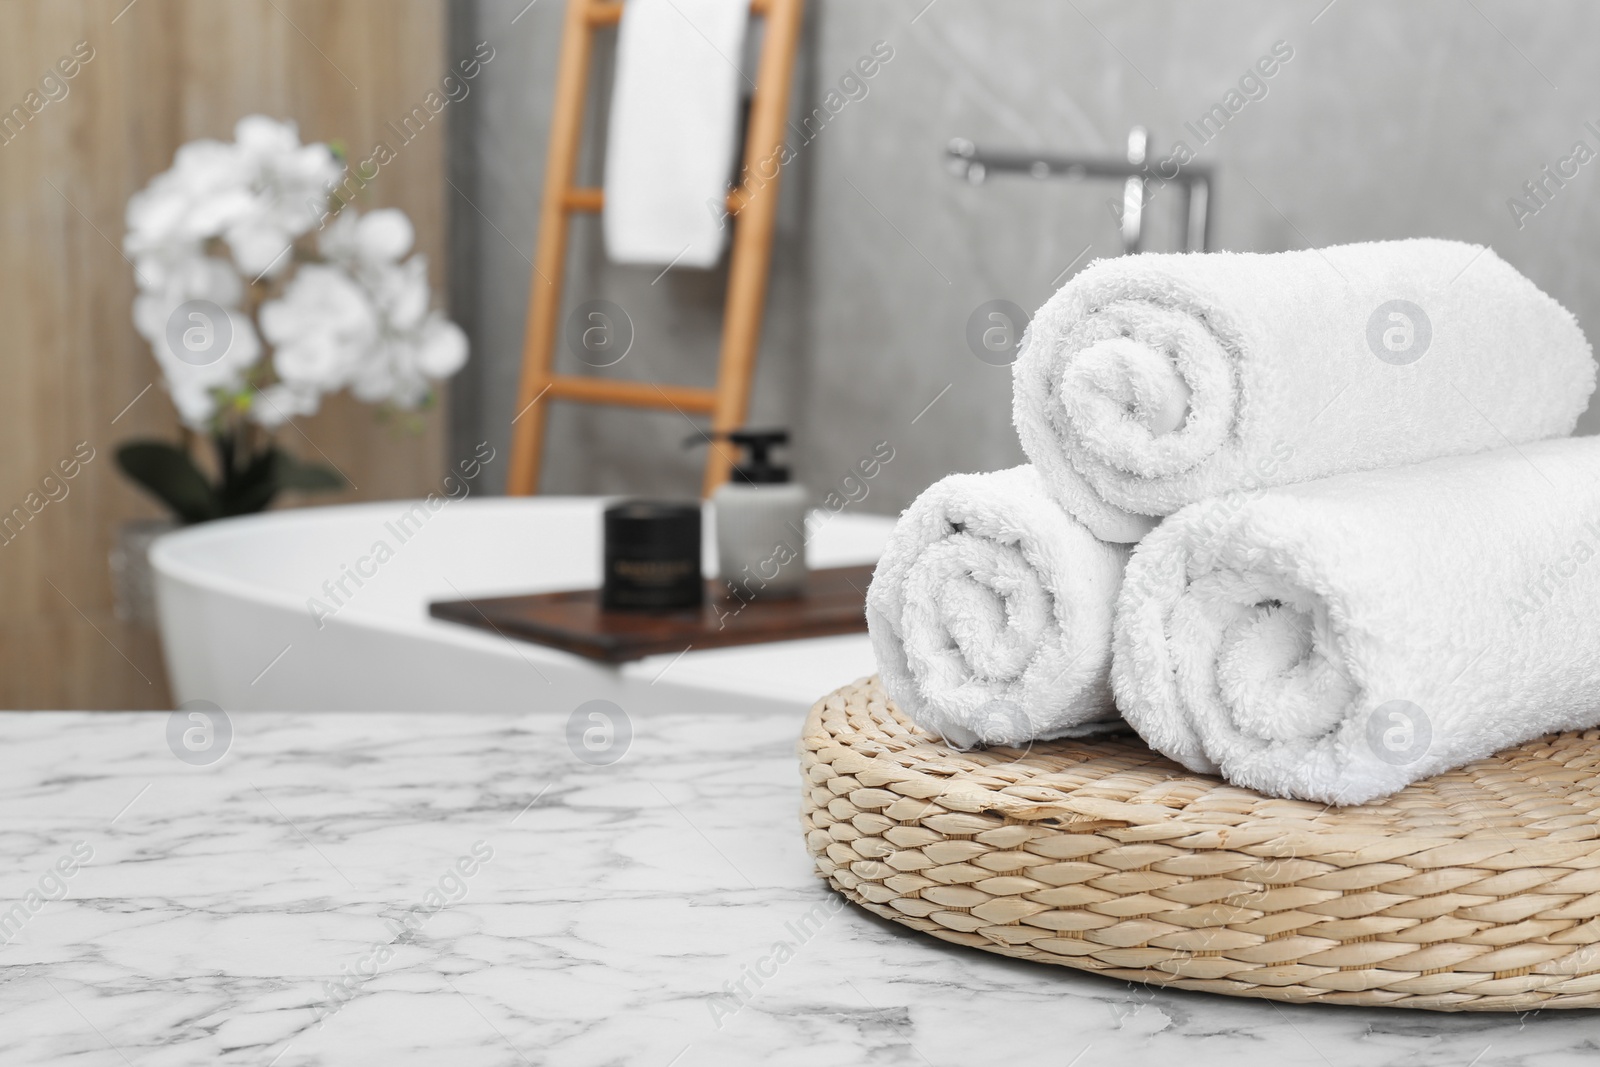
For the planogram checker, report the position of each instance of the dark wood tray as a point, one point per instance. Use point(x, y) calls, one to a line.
point(834, 603)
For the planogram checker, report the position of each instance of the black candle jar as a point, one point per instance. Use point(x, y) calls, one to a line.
point(652, 557)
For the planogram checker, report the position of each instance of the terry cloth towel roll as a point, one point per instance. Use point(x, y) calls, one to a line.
point(1337, 639)
point(673, 131)
point(1152, 381)
point(990, 613)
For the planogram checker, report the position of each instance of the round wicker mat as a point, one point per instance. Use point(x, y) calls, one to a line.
point(1477, 890)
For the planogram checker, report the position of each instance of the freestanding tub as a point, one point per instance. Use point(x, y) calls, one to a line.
point(302, 610)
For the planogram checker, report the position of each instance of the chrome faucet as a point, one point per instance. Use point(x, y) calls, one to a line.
point(1139, 181)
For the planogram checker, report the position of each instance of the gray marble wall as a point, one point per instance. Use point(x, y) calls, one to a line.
point(1387, 121)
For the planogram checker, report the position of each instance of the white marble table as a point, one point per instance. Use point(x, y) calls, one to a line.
point(211, 909)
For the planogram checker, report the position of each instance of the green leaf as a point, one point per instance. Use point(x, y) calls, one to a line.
point(250, 490)
point(169, 474)
point(307, 477)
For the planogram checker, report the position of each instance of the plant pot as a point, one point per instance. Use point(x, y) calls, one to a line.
point(132, 578)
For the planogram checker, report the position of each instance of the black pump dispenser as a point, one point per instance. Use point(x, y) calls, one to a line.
point(760, 519)
point(757, 468)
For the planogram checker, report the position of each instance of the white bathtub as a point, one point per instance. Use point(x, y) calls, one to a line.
point(238, 629)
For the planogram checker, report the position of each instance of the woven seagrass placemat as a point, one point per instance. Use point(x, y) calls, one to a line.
point(1474, 890)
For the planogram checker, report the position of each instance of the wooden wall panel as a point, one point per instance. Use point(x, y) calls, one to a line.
point(165, 72)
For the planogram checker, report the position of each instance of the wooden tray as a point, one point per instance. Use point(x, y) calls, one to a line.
point(834, 603)
point(1475, 890)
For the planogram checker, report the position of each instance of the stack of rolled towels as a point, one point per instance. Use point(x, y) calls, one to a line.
point(1309, 520)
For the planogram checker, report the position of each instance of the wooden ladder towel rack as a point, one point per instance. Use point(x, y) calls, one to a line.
point(754, 210)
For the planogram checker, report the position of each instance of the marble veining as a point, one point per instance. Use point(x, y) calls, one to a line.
point(462, 890)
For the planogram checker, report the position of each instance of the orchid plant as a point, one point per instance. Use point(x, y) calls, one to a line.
point(260, 290)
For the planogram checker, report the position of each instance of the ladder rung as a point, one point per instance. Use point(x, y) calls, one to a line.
point(609, 12)
point(585, 390)
point(584, 200)
point(589, 201)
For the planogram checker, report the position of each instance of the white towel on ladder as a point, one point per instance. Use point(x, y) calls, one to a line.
point(674, 130)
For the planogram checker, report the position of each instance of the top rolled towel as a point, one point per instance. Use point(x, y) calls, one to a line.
point(1339, 639)
point(1152, 381)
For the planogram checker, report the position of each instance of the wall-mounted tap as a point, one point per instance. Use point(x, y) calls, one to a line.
point(1138, 176)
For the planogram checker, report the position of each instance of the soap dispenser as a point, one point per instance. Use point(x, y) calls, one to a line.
point(760, 518)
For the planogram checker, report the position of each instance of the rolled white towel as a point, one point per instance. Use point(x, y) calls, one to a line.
point(1337, 639)
point(990, 612)
point(1152, 381)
